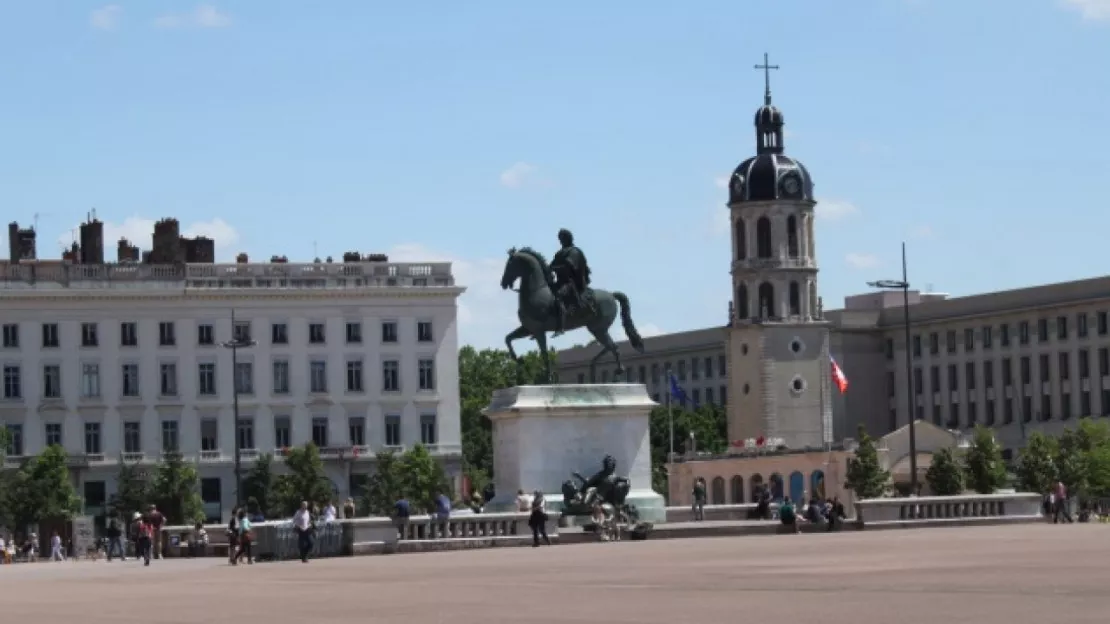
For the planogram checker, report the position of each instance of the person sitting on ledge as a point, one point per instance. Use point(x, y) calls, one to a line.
point(789, 515)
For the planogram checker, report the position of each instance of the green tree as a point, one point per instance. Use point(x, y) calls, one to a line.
point(41, 490)
point(1036, 465)
point(133, 491)
point(306, 481)
point(866, 476)
point(424, 477)
point(1083, 458)
point(258, 486)
point(413, 475)
point(986, 470)
point(1071, 462)
point(708, 424)
point(945, 475)
point(480, 374)
point(175, 490)
point(386, 486)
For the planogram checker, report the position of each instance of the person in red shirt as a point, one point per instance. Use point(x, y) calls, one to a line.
point(157, 521)
point(144, 538)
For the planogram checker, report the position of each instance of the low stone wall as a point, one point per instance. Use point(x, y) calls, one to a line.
point(714, 512)
point(948, 510)
point(276, 540)
point(357, 536)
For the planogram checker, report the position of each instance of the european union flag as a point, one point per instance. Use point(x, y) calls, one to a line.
point(678, 394)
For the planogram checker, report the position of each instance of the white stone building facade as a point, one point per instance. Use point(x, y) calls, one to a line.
point(128, 363)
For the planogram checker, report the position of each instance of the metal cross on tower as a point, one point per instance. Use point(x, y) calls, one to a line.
point(767, 67)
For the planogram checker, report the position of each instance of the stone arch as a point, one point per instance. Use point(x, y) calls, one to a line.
point(741, 233)
point(797, 486)
point(766, 301)
point(792, 236)
point(764, 242)
point(795, 299)
point(737, 489)
point(817, 484)
point(755, 486)
point(743, 302)
point(717, 496)
point(777, 487)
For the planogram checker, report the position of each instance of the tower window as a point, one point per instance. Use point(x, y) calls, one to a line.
point(763, 237)
point(795, 299)
point(766, 300)
point(741, 240)
point(792, 236)
point(742, 306)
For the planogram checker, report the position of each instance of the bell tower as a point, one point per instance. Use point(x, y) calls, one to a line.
point(778, 342)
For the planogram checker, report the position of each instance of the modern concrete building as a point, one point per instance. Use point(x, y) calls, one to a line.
point(126, 362)
point(1017, 361)
point(697, 359)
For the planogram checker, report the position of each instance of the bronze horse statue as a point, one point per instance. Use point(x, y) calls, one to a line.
point(538, 312)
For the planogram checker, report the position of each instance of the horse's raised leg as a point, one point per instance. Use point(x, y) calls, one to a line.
point(517, 334)
point(541, 342)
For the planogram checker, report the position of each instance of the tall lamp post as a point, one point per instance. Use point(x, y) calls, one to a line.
point(904, 286)
point(237, 342)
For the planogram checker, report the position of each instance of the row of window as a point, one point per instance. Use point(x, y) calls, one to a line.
point(775, 488)
point(699, 368)
point(986, 334)
point(1042, 409)
point(206, 334)
point(764, 241)
point(209, 434)
point(695, 394)
point(766, 300)
point(1026, 407)
point(207, 378)
point(1064, 359)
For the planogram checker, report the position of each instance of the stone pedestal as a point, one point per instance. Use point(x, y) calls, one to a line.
point(541, 434)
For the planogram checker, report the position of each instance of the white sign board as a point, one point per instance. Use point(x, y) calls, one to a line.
point(84, 535)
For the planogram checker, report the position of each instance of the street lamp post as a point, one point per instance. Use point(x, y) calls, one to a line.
point(237, 342)
point(904, 286)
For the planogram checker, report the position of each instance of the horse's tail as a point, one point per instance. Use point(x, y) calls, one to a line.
point(634, 338)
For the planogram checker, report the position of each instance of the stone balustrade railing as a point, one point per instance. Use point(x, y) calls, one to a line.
point(739, 511)
point(938, 509)
point(278, 540)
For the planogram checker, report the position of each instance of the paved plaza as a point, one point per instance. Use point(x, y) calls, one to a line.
point(1023, 573)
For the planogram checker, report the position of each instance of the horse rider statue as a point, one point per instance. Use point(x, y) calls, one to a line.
point(572, 280)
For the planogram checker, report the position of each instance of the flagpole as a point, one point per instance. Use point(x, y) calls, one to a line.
point(670, 416)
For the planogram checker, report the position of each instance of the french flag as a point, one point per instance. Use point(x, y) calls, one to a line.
point(838, 376)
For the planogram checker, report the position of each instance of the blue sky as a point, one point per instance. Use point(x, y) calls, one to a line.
point(977, 130)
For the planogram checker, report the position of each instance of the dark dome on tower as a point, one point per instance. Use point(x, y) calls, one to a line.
point(769, 175)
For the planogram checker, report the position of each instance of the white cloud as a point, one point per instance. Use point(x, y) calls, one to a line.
point(1094, 10)
point(521, 175)
point(650, 329)
point(721, 182)
point(862, 260)
point(834, 209)
point(204, 16)
point(106, 17)
point(138, 230)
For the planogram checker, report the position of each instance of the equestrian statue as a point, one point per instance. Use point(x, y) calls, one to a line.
point(558, 298)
